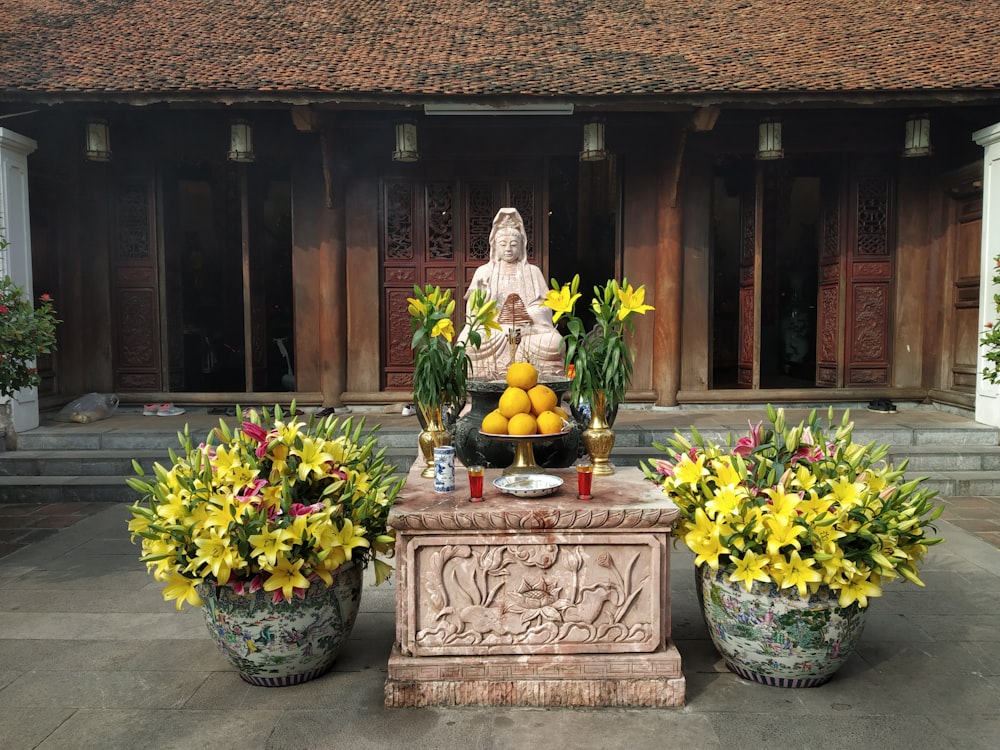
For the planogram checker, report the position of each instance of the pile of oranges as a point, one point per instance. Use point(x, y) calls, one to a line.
point(526, 407)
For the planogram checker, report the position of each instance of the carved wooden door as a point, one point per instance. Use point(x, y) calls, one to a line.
point(868, 279)
point(436, 231)
point(854, 269)
point(748, 352)
point(830, 301)
point(135, 287)
point(963, 330)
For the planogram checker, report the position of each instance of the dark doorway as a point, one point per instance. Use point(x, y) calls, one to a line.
point(785, 198)
point(228, 253)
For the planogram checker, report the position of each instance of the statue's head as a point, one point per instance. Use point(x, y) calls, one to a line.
point(508, 240)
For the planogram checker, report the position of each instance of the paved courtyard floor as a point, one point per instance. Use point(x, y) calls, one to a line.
point(92, 657)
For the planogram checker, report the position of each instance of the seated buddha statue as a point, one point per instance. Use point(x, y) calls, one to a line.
point(519, 290)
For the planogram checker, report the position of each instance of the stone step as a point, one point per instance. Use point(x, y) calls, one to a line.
point(24, 463)
point(88, 485)
point(62, 464)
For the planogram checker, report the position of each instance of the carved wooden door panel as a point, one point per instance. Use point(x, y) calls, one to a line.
point(830, 302)
point(436, 231)
point(964, 329)
point(869, 280)
point(748, 356)
point(135, 286)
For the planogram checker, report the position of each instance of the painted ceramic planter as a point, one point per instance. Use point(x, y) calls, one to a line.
point(285, 643)
point(771, 636)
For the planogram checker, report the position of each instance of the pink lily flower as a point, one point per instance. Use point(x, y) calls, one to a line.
point(254, 432)
point(746, 444)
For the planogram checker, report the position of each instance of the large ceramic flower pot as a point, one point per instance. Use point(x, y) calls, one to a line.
point(772, 636)
point(288, 642)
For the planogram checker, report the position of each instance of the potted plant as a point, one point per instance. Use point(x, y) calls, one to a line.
point(441, 360)
point(794, 529)
point(270, 526)
point(599, 361)
point(26, 331)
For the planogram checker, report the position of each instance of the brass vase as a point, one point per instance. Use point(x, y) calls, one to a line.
point(434, 435)
point(599, 438)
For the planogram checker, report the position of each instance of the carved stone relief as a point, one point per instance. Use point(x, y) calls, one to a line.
point(598, 592)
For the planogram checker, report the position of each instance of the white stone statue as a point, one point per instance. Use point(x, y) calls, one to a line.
point(519, 290)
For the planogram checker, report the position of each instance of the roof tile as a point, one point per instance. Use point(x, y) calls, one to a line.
point(457, 48)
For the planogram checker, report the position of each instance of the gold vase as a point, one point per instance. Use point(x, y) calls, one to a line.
point(434, 435)
point(599, 438)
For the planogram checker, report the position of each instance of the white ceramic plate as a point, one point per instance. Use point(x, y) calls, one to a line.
point(528, 485)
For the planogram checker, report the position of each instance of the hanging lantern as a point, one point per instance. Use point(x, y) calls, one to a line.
point(241, 141)
point(406, 142)
point(769, 140)
point(593, 142)
point(917, 137)
point(98, 140)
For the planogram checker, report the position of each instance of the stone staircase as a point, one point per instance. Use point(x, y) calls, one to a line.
point(56, 463)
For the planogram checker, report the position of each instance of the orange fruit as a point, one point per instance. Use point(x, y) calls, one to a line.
point(495, 422)
point(549, 423)
point(514, 401)
point(522, 375)
point(561, 412)
point(542, 398)
point(522, 424)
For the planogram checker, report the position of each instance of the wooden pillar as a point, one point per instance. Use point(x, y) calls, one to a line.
point(319, 268)
point(669, 277)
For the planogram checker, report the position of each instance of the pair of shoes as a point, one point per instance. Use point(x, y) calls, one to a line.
point(409, 410)
point(161, 410)
point(882, 405)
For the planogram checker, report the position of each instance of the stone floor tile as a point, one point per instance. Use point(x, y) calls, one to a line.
point(28, 727)
point(832, 732)
point(100, 689)
point(117, 729)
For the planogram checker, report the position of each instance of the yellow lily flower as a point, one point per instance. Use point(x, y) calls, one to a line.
point(312, 458)
point(750, 568)
point(266, 545)
point(632, 301)
point(182, 589)
point(798, 572)
point(561, 301)
point(704, 540)
point(444, 327)
point(287, 576)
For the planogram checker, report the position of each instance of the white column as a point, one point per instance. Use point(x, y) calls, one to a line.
point(16, 261)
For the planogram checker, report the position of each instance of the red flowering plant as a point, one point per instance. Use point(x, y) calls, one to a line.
point(990, 340)
point(25, 332)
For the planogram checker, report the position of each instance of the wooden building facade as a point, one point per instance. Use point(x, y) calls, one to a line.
point(834, 266)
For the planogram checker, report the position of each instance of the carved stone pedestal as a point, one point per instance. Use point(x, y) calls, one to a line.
point(534, 602)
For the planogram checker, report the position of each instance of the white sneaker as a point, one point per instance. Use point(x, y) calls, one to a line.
point(169, 410)
point(409, 410)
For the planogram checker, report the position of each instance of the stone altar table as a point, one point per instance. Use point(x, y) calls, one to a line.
point(549, 601)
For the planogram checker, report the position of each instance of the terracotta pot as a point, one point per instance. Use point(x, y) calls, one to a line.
point(288, 642)
point(771, 635)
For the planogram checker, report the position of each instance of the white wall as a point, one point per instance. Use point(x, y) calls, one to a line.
point(16, 261)
point(988, 394)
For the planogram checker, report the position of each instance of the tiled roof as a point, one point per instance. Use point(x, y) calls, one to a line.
point(379, 49)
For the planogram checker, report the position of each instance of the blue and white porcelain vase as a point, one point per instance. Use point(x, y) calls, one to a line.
point(287, 642)
point(771, 635)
